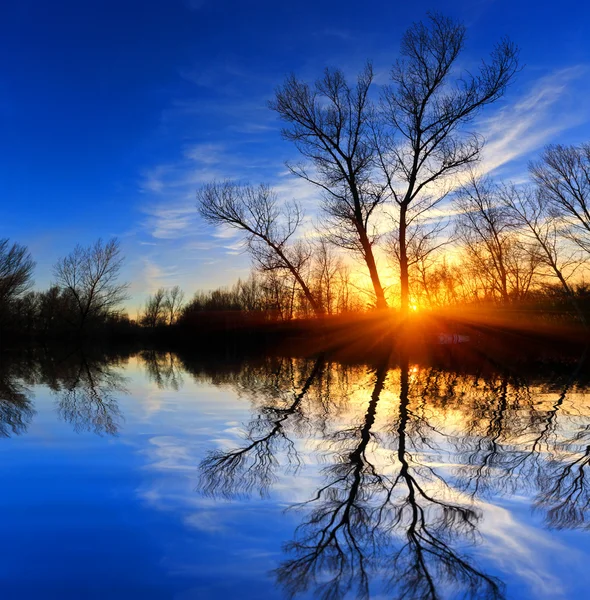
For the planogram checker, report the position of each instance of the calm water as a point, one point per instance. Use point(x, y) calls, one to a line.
point(150, 477)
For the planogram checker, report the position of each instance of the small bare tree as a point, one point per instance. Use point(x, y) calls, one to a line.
point(326, 269)
point(173, 304)
point(16, 271)
point(491, 243)
point(563, 179)
point(155, 311)
point(421, 140)
point(531, 214)
point(269, 227)
point(90, 276)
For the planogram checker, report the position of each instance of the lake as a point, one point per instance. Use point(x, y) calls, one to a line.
point(156, 475)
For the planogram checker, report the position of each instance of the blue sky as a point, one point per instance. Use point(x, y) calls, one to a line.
point(113, 112)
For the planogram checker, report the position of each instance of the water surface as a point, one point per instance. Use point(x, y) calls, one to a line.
point(156, 476)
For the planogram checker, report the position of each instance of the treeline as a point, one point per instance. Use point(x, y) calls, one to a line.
point(85, 297)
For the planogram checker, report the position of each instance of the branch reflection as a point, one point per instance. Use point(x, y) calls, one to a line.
point(87, 393)
point(87, 387)
point(252, 466)
point(16, 408)
point(384, 506)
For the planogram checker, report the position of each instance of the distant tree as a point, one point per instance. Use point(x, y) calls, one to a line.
point(424, 242)
point(492, 248)
point(90, 276)
point(173, 304)
point(55, 306)
point(440, 283)
point(562, 176)
point(163, 307)
point(420, 140)
point(16, 271)
point(531, 214)
point(250, 293)
point(24, 312)
point(326, 270)
point(269, 227)
point(155, 311)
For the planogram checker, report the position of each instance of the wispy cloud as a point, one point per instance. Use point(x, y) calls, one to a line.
point(156, 276)
point(225, 233)
point(519, 548)
point(170, 223)
point(533, 120)
point(171, 211)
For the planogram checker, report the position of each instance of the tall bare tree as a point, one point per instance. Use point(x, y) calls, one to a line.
point(269, 227)
point(90, 276)
point(329, 123)
point(563, 179)
point(421, 140)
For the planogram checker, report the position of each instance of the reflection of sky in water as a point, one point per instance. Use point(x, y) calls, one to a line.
point(95, 515)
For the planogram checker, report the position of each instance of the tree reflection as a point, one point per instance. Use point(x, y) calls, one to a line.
point(163, 369)
point(86, 386)
point(383, 507)
point(16, 410)
point(87, 393)
point(513, 444)
point(332, 541)
point(407, 455)
point(252, 466)
point(427, 565)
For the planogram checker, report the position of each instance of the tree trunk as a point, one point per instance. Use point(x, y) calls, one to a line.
point(404, 278)
point(380, 301)
point(317, 308)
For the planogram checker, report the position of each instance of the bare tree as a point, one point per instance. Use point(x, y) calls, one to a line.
point(563, 179)
point(421, 141)
point(424, 241)
point(173, 304)
point(531, 213)
point(326, 270)
point(90, 276)
point(269, 227)
point(16, 270)
point(155, 311)
point(491, 243)
point(329, 123)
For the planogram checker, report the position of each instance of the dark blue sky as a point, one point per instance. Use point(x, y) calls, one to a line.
point(112, 113)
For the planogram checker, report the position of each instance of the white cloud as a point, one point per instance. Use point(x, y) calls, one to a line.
point(532, 121)
point(524, 551)
point(156, 276)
